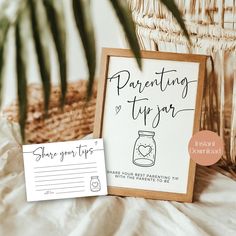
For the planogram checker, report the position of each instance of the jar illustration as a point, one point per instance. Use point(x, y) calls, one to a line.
point(95, 184)
point(144, 153)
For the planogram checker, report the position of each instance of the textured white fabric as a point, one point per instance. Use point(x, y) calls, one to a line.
point(212, 213)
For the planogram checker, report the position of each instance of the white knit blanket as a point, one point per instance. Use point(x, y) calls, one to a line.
point(212, 213)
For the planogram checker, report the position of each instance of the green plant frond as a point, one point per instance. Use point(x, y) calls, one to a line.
point(4, 27)
point(125, 17)
point(41, 53)
point(57, 27)
point(83, 19)
point(172, 7)
point(21, 79)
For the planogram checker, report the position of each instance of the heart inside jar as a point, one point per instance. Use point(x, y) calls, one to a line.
point(144, 150)
point(95, 184)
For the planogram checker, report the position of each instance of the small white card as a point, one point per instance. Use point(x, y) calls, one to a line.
point(65, 170)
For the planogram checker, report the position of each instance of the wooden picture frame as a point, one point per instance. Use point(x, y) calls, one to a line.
point(112, 58)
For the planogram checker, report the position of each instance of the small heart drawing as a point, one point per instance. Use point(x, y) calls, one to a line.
point(144, 150)
point(117, 109)
point(95, 184)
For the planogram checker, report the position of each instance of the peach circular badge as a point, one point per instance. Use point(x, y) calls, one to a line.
point(206, 148)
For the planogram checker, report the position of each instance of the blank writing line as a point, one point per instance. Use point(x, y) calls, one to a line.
point(70, 192)
point(66, 174)
point(43, 171)
point(79, 177)
point(60, 188)
point(60, 183)
point(65, 165)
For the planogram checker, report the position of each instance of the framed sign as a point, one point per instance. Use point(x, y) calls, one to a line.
point(146, 118)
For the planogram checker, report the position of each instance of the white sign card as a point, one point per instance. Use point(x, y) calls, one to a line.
point(146, 118)
point(64, 170)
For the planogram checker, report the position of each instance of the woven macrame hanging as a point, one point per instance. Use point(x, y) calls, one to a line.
point(212, 27)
